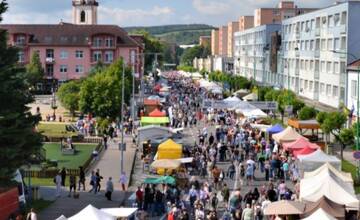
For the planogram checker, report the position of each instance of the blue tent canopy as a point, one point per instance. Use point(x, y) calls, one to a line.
point(275, 129)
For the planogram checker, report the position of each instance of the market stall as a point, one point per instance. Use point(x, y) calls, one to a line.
point(153, 131)
point(275, 129)
point(320, 214)
point(316, 159)
point(250, 97)
point(285, 207)
point(121, 213)
point(150, 105)
point(157, 113)
point(161, 180)
point(328, 168)
point(154, 121)
point(92, 213)
point(287, 135)
point(169, 150)
point(333, 209)
point(299, 144)
point(305, 151)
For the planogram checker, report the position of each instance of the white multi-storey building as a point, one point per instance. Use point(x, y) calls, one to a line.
point(251, 54)
point(315, 48)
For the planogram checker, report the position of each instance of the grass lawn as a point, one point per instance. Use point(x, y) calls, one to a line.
point(83, 153)
point(41, 181)
point(350, 168)
point(54, 129)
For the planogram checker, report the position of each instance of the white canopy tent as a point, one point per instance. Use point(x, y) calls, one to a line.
point(311, 162)
point(232, 99)
point(312, 189)
point(320, 214)
point(328, 168)
point(120, 212)
point(62, 217)
point(250, 97)
point(196, 75)
point(254, 113)
point(92, 213)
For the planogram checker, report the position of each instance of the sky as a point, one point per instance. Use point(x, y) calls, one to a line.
point(145, 12)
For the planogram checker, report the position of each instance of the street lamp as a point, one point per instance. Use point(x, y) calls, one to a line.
point(358, 104)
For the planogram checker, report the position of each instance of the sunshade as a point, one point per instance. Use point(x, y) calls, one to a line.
point(161, 180)
point(169, 150)
point(316, 159)
point(92, 213)
point(327, 167)
point(287, 135)
point(232, 99)
point(299, 144)
point(320, 214)
point(151, 102)
point(166, 164)
point(250, 97)
point(306, 150)
point(157, 113)
point(275, 129)
point(120, 212)
point(154, 120)
point(254, 113)
point(330, 207)
point(62, 217)
point(285, 207)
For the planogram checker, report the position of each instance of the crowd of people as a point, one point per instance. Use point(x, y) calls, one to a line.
point(236, 171)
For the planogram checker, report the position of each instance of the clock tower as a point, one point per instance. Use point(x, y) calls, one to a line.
point(85, 11)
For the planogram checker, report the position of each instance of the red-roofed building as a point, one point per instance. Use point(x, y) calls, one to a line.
point(69, 51)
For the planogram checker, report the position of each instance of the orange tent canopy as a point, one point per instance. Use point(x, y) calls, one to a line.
point(151, 102)
point(300, 143)
point(157, 113)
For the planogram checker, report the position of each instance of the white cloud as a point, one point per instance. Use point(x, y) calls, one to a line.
point(211, 7)
point(135, 16)
point(37, 17)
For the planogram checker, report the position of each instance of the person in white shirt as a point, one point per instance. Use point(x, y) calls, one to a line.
point(31, 215)
point(123, 181)
point(58, 184)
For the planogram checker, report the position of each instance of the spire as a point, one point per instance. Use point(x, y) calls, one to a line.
point(85, 11)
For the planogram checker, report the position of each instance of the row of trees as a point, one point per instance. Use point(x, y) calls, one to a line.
point(199, 51)
point(99, 94)
point(235, 82)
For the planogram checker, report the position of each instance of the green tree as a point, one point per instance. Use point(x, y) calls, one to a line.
point(101, 93)
point(34, 70)
point(307, 113)
point(152, 45)
point(18, 138)
point(332, 123)
point(68, 94)
point(346, 138)
point(191, 53)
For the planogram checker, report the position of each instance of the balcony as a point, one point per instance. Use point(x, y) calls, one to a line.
point(49, 60)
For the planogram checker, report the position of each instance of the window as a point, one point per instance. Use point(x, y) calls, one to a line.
point(354, 88)
point(337, 19)
point(64, 54)
point(342, 67)
point(317, 66)
point(322, 88)
point(109, 42)
point(323, 67)
point(97, 56)
point(21, 56)
point(311, 85)
point(343, 43)
point(79, 68)
point(49, 70)
point(323, 44)
point(97, 42)
point(343, 17)
point(342, 94)
point(312, 45)
point(306, 85)
point(82, 16)
point(79, 54)
point(328, 67)
point(330, 21)
point(109, 56)
point(336, 67)
point(330, 44)
point(328, 90)
point(49, 53)
point(335, 91)
point(311, 65)
point(336, 43)
point(63, 68)
point(20, 40)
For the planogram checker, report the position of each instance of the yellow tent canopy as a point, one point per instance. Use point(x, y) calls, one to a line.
point(169, 150)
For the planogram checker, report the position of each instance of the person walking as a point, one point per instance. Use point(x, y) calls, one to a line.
point(98, 180)
point(63, 176)
point(72, 185)
point(93, 181)
point(109, 189)
point(248, 213)
point(139, 198)
point(81, 178)
point(123, 181)
point(58, 181)
point(31, 215)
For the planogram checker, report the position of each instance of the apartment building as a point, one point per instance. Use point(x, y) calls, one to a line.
point(353, 72)
point(252, 52)
point(233, 27)
point(311, 68)
point(284, 10)
point(246, 22)
point(215, 42)
point(223, 38)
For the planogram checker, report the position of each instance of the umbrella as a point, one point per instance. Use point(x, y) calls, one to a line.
point(166, 164)
point(160, 180)
point(285, 207)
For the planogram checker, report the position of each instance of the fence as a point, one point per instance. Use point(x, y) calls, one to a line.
point(50, 173)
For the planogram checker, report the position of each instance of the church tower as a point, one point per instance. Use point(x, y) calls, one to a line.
point(85, 11)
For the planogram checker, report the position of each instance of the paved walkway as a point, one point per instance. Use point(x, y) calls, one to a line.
point(109, 165)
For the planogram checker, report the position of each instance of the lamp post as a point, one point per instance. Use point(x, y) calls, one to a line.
point(357, 106)
point(122, 119)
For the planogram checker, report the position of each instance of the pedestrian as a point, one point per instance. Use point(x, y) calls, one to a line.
point(139, 198)
point(81, 178)
point(58, 181)
point(63, 176)
point(72, 185)
point(98, 180)
point(225, 192)
point(248, 213)
point(93, 182)
point(123, 181)
point(109, 189)
point(31, 215)
point(105, 141)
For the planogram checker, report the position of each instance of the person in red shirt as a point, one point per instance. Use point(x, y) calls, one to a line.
point(139, 198)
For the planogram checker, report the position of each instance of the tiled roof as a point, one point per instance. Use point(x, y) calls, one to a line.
point(69, 34)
